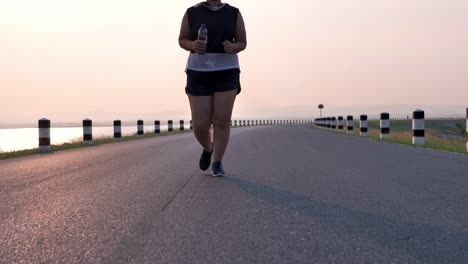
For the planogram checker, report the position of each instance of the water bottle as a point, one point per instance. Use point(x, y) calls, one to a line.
point(203, 34)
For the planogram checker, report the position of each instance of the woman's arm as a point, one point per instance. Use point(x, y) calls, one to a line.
point(240, 42)
point(185, 38)
point(241, 34)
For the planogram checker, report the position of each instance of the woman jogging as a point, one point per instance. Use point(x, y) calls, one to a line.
point(213, 32)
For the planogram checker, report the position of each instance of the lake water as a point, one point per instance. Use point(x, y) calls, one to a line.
point(28, 138)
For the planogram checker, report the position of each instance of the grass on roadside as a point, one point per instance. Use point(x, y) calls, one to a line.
point(444, 134)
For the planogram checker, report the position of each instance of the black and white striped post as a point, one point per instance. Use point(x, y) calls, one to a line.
point(157, 127)
point(117, 130)
point(140, 132)
point(191, 126)
point(467, 129)
point(418, 127)
point(363, 125)
point(350, 124)
point(44, 135)
point(181, 125)
point(384, 125)
point(87, 132)
point(170, 126)
point(333, 123)
point(340, 124)
point(235, 123)
point(248, 122)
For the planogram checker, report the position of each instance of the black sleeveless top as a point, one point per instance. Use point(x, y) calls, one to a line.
point(221, 24)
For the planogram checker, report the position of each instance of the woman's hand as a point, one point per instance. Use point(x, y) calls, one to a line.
point(199, 46)
point(229, 47)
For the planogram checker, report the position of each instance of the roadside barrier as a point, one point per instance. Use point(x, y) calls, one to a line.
point(44, 135)
point(333, 123)
point(384, 125)
point(87, 132)
point(157, 127)
point(340, 124)
point(181, 125)
point(117, 130)
point(363, 125)
point(170, 126)
point(140, 132)
point(349, 125)
point(418, 127)
point(87, 124)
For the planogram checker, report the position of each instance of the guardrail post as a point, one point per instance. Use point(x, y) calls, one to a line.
point(340, 124)
point(117, 130)
point(363, 125)
point(235, 123)
point(157, 127)
point(170, 127)
point(384, 125)
point(418, 127)
point(467, 129)
point(181, 125)
point(350, 124)
point(44, 135)
point(87, 132)
point(140, 132)
point(333, 123)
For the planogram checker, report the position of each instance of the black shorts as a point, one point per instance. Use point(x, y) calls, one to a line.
point(207, 83)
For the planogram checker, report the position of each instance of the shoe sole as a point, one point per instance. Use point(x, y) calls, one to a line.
point(218, 175)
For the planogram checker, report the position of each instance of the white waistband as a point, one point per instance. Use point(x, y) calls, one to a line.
point(212, 61)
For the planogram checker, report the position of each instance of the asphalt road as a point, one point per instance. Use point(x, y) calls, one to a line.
point(294, 194)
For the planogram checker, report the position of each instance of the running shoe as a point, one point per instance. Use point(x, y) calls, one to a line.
point(218, 170)
point(205, 160)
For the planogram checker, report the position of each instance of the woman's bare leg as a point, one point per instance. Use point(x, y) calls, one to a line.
point(223, 103)
point(201, 107)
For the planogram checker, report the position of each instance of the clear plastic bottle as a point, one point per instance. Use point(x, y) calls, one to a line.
point(203, 34)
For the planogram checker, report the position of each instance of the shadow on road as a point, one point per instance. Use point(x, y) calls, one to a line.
point(430, 244)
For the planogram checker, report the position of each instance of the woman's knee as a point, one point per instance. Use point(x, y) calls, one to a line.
point(221, 123)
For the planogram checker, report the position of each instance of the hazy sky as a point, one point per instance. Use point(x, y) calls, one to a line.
point(107, 59)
